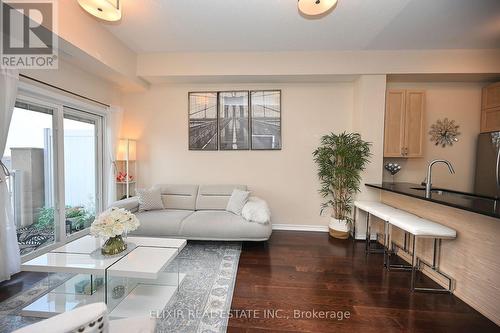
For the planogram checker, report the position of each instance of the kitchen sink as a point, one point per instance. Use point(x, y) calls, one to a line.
point(434, 190)
point(441, 191)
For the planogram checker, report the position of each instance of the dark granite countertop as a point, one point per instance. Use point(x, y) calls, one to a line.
point(466, 201)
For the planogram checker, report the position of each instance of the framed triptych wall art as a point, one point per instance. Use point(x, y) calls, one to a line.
point(235, 120)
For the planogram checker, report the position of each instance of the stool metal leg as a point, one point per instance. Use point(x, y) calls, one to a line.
point(416, 264)
point(367, 245)
point(387, 243)
point(437, 249)
point(413, 264)
point(392, 249)
point(354, 223)
point(435, 268)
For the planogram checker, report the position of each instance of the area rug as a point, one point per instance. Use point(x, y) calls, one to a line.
point(9, 309)
point(202, 303)
point(32, 237)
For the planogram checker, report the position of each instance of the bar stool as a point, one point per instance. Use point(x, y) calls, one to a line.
point(418, 227)
point(383, 212)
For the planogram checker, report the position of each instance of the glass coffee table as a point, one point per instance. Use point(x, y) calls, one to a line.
point(135, 282)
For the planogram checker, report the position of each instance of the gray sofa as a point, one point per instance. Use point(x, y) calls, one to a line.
point(196, 212)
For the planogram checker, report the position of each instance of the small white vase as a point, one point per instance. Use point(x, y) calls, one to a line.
point(338, 228)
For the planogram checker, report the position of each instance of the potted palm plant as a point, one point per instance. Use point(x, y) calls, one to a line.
point(340, 159)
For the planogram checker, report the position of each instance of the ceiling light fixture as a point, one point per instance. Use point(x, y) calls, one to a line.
point(314, 8)
point(107, 10)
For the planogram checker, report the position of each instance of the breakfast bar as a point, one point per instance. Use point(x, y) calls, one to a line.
point(479, 204)
point(471, 257)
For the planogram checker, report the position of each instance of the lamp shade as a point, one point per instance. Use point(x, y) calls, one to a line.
point(108, 10)
point(127, 150)
point(316, 7)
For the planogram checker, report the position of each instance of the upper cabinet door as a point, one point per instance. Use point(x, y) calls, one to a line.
point(490, 120)
point(490, 114)
point(394, 123)
point(491, 96)
point(414, 123)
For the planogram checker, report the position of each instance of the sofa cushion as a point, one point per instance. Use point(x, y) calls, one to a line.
point(160, 222)
point(178, 196)
point(222, 225)
point(215, 197)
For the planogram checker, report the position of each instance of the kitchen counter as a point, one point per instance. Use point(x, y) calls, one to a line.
point(466, 201)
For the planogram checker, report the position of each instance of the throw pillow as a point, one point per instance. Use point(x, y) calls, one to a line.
point(256, 210)
point(238, 199)
point(149, 199)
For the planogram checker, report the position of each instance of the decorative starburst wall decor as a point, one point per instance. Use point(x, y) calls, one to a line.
point(444, 132)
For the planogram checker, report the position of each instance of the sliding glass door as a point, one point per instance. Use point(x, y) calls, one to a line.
point(54, 155)
point(30, 157)
point(81, 168)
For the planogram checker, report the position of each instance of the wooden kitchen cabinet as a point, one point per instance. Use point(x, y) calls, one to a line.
point(404, 123)
point(490, 120)
point(491, 96)
point(490, 113)
point(394, 123)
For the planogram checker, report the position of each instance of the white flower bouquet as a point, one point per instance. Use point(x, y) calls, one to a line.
point(112, 224)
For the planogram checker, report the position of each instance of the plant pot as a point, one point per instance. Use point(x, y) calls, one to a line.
point(338, 228)
point(114, 245)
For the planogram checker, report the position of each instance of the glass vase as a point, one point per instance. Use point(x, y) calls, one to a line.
point(114, 245)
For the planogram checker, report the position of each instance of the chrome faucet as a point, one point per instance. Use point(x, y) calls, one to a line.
point(428, 183)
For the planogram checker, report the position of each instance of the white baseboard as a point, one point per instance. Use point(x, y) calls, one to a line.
point(363, 237)
point(313, 228)
point(301, 227)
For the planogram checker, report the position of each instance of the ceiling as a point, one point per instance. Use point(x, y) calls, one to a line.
point(275, 25)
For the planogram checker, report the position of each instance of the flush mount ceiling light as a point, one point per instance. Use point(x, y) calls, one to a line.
point(316, 7)
point(108, 10)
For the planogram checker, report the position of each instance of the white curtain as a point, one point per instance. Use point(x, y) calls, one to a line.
point(10, 259)
point(113, 126)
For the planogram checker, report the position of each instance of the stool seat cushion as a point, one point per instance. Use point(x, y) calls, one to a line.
point(420, 227)
point(406, 221)
point(378, 209)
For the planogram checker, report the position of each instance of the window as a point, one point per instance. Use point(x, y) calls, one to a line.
point(54, 155)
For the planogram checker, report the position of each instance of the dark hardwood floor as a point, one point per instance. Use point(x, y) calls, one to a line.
point(286, 284)
point(298, 274)
point(18, 283)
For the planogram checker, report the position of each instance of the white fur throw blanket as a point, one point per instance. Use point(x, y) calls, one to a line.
point(256, 210)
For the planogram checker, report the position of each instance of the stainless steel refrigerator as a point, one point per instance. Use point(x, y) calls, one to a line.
point(487, 179)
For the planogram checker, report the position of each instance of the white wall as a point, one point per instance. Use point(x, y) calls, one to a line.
point(85, 41)
point(287, 178)
point(368, 120)
point(76, 80)
point(457, 101)
point(320, 63)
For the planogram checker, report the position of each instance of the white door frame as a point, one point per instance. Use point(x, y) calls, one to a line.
point(61, 103)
